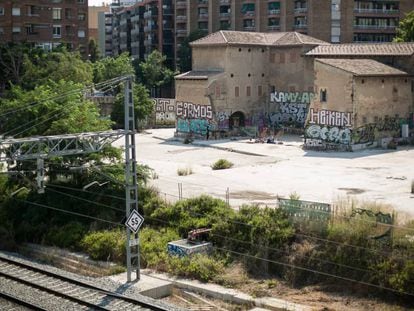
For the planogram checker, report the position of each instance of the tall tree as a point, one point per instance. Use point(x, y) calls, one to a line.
point(55, 66)
point(143, 105)
point(12, 58)
point(184, 53)
point(405, 30)
point(153, 72)
point(112, 67)
point(93, 51)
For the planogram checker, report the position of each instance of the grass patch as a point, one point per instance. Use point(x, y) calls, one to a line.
point(222, 164)
point(184, 171)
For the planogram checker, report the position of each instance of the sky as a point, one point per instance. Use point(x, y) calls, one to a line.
point(97, 2)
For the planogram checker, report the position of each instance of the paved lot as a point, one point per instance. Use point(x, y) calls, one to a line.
point(262, 172)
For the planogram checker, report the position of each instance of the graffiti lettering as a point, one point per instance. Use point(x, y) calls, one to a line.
point(369, 133)
point(329, 134)
point(176, 250)
point(289, 113)
point(164, 104)
point(195, 126)
point(222, 120)
point(193, 111)
point(292, 97)
point(330, 117)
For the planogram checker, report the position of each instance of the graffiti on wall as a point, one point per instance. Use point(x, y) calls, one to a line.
point(328, 130)
point(164, 111)
point(193, 118)
point(194, 126)
point(368, 133)
point(289, 108)
point(330, 118)
point(332, 134)
point(292, 97)
point(188, 110)
point(223, 120)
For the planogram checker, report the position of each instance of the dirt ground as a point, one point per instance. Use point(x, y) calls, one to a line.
point(262, 172)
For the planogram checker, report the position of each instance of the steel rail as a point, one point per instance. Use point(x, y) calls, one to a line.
point(85, 285)
point(21, 302)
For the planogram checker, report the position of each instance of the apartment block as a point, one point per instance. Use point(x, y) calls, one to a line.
point(46, 23)
point(334, 21)
point(143, 27)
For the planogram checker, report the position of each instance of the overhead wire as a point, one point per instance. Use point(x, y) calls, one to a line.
point(246, 255)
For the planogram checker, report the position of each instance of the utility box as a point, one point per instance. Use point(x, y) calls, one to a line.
point(186, 248)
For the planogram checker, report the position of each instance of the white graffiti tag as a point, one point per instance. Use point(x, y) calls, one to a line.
point(330, 134)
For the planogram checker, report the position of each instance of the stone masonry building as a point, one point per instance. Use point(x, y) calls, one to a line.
point(244, 82)
point(234, 74)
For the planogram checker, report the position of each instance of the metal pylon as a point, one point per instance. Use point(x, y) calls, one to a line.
point(131, 185)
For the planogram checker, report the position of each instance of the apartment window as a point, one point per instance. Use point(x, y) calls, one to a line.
point(16, 11)
point(81, 1)
point(236, 91)
point(81, 33)
point(68, 13)
point(16, 29)
point(81, 16)
point(1, 31)
point(323, 95)
point(248, 91)
point(57, 31)
point(57, 13)
point(259, 90)
point(1, 11)
point(30, 29)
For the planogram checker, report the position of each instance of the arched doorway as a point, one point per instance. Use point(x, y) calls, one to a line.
point(236, 120)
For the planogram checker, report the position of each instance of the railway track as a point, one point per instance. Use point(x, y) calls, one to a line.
point(37, 289)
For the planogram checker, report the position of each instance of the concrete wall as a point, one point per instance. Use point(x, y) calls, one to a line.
point(377, 98)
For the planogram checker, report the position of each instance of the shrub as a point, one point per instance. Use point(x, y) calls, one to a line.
point(68, 236)
point(184, 171)
point(105, 245)
point(154, 247)
point(221, 164)
point(198, 266)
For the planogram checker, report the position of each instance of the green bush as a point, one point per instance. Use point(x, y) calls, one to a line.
point(199, 266)
point(68, 236)
point(104, 245)
point(154, 247)
point(221, 164)
point(192, 213)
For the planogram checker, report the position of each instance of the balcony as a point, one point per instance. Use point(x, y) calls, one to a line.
point(273, 12)
point(202, 2)
point(225, 15)
point(225, 1)
point(150, 28)
point(248, 14)
point(181, 18)
point(375, 27)
point(181, 32)
point(150, 14)
point(249, 28)
point(135, 18)
point(301, 10)
point(203, 16)
point(167, 11)
point(181, 4)
point(273, 27)
point(300, 26)
point(376, 11)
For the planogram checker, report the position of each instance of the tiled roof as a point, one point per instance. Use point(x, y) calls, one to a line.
point(362, 67)
point(197, 75)
point(364, 49)
point(227, 37)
